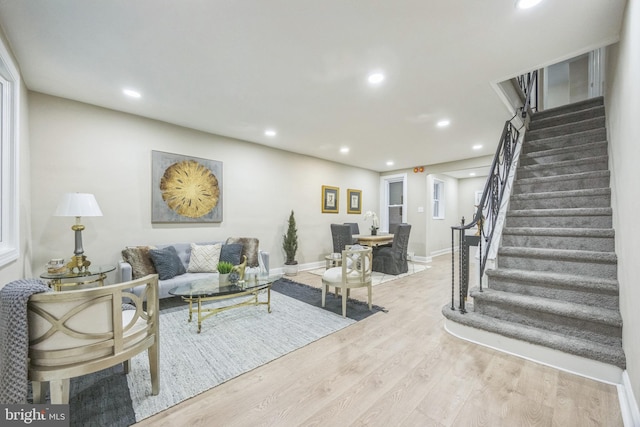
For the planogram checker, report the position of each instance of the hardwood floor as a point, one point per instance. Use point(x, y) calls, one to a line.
point(400, 368)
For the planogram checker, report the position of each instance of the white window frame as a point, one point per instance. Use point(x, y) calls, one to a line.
point(384, 198)
point(437, 209)
point(9, 127)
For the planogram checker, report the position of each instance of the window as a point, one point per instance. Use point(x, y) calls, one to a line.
point(393, 201)
point(438, 199)
point(9, 107)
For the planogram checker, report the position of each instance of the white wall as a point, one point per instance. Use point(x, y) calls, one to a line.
point(438, 236)
point(623, 110)
point(21, 267)
point(467, 188)
point(83, 148)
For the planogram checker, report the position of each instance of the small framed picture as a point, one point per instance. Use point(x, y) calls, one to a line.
point(354, 201)
point(330, 201)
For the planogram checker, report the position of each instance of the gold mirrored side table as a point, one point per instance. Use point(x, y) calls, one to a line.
point(92, 275)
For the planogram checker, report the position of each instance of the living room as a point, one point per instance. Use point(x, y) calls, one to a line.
point(67, 145)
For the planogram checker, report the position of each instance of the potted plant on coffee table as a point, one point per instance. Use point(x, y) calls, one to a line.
point(290, 246)
point(224, 268)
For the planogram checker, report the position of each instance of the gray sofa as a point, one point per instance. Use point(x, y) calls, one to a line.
point(259, 265)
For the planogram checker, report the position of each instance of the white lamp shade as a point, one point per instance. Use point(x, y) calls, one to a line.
point(78, 204)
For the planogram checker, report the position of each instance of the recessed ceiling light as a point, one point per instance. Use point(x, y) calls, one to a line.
point(270, 132)
point(477, 146)
point(526, 4)
point(344, 150)
point(132, 93)
point(390, 163)
point(375, 78)
point(443, 123)
point(472, 174)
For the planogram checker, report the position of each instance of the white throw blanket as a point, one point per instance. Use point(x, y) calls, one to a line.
point(14, 338)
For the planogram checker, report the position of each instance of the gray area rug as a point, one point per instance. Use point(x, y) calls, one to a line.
point(231, 343)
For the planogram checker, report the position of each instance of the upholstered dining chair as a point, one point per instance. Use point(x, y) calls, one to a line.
point(355, 272)
point(78, 332)
point(341, 235)
point(393, 260)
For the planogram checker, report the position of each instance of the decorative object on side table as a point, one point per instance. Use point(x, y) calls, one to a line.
point(56, 266)
point(290, 246)
point(224, 268)
point(78, 205)
point(374, 222)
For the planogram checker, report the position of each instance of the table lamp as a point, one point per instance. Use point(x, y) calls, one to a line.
point(78, 205)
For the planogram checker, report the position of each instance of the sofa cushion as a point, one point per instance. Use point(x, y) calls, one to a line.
point(167, 262)
point(204, 258)
point(140, 260)
point(250, 249)
point(231, 253)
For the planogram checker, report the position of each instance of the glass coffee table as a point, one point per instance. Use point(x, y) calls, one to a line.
point(203, 290)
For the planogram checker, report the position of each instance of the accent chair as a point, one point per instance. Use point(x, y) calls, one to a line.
point(355, 272)
point(78, 332)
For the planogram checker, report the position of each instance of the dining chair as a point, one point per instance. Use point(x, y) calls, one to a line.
point(342, 236)
point(394, 260)
point(355, 272)
point(355, 229)
point(78, 332)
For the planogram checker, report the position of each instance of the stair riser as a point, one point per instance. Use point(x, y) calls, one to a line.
point(601, 164)
point(568, 109)
point(605, 270)
point(553, 291)
point(594, 221)
point(561, 185)
point(576, 327)
point(571, 117)
point(577, 154)
point(567, 129)
point(594, 135)
point(597, 201)
point(600, 244)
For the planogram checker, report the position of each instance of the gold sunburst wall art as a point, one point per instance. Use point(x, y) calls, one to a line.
point(185, 189)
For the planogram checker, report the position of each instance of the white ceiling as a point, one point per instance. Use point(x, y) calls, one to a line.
point(237, 67)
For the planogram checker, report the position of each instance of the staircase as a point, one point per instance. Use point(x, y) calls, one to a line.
point(555, 284)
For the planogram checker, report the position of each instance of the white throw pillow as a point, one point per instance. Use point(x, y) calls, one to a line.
point(204, 258)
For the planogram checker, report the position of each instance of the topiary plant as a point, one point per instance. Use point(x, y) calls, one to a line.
point(290, 242)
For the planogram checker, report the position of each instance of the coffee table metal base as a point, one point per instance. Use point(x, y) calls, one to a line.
point(204, 312)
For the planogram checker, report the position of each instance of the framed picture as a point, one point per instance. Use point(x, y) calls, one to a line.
point(354, 201)
point(330, 201)
point(185, 189)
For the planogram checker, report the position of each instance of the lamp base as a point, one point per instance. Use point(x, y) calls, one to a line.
point(80, 262)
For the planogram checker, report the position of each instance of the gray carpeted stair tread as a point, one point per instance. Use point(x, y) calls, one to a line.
point(563, 194)
point(538, 122)
point(566, 128)
point(566, 177)
point(564, 150)
point(561, 212)
point(577, 138)
point(613, 355)
point(601, 285)
point(545, 305)
point(568, 108)
point(580, 162)
point(564, 232)
point(560, 254)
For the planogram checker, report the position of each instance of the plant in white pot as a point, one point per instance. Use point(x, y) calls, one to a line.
point(290, 246)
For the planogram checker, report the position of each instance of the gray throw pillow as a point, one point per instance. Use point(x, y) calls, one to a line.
point(231, 253)
point(167, 262)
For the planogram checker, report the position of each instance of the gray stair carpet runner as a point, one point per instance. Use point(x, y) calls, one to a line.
point(555, 283)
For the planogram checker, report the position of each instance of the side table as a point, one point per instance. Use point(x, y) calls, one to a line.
point(94, 275)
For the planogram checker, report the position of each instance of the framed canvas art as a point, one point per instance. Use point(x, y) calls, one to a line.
point(330, 202)
point(185, 189)
point(354, 201)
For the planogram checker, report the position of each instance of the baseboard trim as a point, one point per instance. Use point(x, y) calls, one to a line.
point(546, 356)
point(628, 403)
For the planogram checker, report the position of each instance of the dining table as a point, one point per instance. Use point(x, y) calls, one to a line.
point(374, 240)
